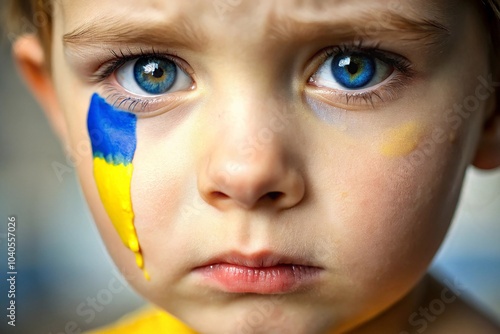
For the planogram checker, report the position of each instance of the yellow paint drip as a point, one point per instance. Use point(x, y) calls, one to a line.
point(113, 183)
point(400, 141)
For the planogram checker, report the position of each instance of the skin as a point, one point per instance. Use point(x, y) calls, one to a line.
point(360, 212)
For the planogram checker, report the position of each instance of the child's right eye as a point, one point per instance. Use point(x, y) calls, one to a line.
point(152, 76)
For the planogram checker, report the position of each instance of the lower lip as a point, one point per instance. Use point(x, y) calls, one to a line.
point(264, 280)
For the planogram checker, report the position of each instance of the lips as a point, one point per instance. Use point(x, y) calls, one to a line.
point(263, 272)
point(256, 260)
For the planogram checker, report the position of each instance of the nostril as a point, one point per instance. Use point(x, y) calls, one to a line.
point(218, 194)
point(274, 194)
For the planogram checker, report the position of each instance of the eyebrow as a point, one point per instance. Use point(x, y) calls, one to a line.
point(367, 25)
point(181, 32)
point(112, 30)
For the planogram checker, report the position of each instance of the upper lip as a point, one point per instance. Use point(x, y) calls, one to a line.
point(259, 259)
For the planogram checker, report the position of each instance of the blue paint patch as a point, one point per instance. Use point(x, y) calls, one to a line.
point(112, 132)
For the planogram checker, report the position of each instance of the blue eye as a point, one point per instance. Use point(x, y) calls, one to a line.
point(152, 76)
point(352, 71)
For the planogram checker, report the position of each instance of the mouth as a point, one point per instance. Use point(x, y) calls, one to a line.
point(262, 273)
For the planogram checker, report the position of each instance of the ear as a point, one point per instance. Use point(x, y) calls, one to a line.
point(488, 150)
point(31, 63)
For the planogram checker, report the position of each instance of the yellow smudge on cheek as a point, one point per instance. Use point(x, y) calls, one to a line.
point(400, 141)
point(113, 183)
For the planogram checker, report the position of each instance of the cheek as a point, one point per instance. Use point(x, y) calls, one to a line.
point(401, 198)
point(392, 226)
point(163, 181)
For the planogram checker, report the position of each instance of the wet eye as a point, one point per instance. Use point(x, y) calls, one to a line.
point(353, 71)
point(150, 76)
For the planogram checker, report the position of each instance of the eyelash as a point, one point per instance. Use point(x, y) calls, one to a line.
point(389, 89)
point(121, 57)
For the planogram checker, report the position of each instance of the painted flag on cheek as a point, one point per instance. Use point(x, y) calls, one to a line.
point(113, 137)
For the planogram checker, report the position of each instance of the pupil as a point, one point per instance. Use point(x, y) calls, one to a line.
point(155, 75)
point(352, 68)
point(158, 73)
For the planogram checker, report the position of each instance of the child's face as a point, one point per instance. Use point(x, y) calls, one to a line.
point(283, 134)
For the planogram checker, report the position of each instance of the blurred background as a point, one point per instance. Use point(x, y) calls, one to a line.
point(63, 266)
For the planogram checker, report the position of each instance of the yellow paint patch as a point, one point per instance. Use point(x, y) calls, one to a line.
point(146, 321)
point(113, 183)
point(400, 141)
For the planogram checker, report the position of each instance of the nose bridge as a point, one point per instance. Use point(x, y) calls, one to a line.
point(250, 119)
point(249, 112)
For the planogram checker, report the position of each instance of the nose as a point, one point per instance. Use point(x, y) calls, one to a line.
point(245, 168)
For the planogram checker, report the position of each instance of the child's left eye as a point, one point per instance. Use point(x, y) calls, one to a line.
point(353, 71)
point(152, 76)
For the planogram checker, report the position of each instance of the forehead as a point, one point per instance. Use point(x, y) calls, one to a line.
point(217, 26)
point(228, 15)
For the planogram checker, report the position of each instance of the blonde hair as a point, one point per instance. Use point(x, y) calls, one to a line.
point(30, 17)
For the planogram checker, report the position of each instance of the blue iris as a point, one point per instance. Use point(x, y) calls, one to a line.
point(353, 71)
point(155, 75)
